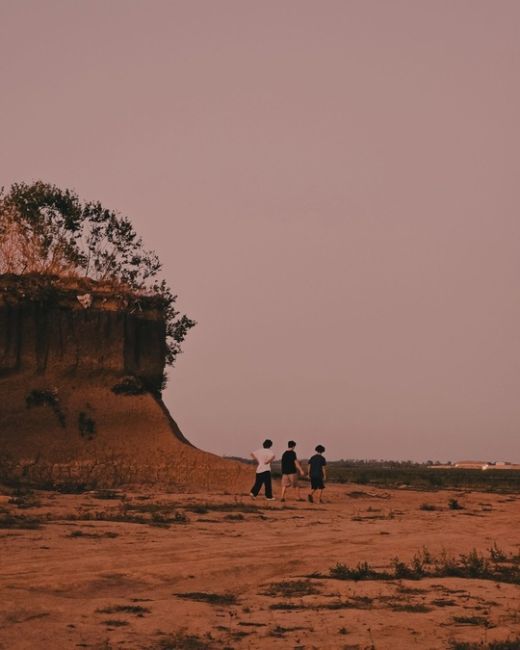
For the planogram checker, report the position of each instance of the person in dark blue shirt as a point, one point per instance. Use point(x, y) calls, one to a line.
point(290, 469)
point(317, 474)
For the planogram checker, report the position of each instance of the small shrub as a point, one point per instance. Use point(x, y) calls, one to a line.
point(404, 572)
point(453, 504)
point(429, 507)
point(474, 565)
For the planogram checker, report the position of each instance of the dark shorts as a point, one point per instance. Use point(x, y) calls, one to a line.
point(317, 483)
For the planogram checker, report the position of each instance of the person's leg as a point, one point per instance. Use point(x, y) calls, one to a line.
point(268, 485)
point(318, 496)
point(310, 496)
point(258, 484)
point(285, 484)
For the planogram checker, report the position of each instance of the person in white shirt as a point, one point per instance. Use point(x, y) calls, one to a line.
point(263, 457)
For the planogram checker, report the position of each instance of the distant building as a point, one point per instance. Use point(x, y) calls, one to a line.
point(471, 464)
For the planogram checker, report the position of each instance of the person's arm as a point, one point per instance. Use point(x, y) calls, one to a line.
point(272, 458)
point(253, 456)
point(299, 467)
point(324, 469)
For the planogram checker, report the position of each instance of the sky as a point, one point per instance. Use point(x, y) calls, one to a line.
point(333, 188)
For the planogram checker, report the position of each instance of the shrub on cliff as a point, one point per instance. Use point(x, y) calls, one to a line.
point(49, 231)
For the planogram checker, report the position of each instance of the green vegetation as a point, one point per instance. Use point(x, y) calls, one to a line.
point(422, 476)
point(291, 588)
point(48, 232)
point(183, 641)
point(19, 521)
point(471, 620)
point(424, 565)
point(510, 644)
point(81, 533)
point(137, 610)
point(212, 599)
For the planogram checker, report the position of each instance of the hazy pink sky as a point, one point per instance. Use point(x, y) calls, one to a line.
point(333, 187)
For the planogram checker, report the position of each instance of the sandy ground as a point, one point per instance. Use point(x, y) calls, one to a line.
point(84, 580)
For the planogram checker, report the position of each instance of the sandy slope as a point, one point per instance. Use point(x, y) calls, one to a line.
point(54, 580)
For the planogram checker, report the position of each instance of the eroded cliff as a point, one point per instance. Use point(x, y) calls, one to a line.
point(80, 371)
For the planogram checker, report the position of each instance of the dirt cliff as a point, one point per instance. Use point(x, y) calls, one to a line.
point(80, 370)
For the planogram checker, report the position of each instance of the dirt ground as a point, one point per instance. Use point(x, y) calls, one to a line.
point(142, 570)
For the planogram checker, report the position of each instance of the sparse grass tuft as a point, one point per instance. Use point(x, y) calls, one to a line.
point(290, 589)
point(363, 571)
point(108, 494)
point(286, 606)
point(211, 598)
point(510, 644)
point(417, 608)
point(183, 641)
point(497, 554)
point(138, 610)
point(423, 565)
point(19, 521)
point(82, 533)
point(471, 620)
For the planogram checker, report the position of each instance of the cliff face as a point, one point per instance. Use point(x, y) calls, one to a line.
point(79, 369)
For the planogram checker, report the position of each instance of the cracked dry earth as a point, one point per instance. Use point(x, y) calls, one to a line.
point(155, 571)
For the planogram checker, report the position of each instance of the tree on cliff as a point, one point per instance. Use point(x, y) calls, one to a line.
point(49, 231)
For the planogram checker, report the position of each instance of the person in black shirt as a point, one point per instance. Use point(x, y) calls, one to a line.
point(290, 469)
point(317, 474)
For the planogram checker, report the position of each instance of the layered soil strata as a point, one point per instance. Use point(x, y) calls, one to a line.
point(81, 366)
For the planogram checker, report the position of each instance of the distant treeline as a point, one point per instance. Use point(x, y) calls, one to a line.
point(423, 476)
point(415, 475)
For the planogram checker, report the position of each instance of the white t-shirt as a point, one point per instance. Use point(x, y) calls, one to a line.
point(264, 458)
